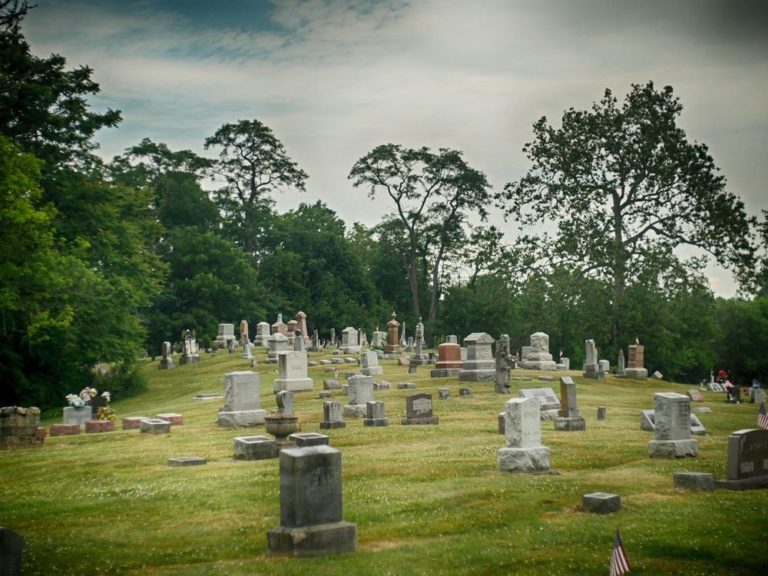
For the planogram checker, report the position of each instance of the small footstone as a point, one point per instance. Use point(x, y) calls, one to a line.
point(305, 439)
point(695, 481)
point(155, 426)
point(187, 461)
point(601, 502)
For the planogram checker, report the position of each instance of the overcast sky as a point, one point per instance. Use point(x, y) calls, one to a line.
point(335, 78)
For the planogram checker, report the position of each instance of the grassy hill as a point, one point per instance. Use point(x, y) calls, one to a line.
point(426, 499)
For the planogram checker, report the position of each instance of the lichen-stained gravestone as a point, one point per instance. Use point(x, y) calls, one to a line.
point(293, 375)
point(522, 429)
point(242, 400)
point(311, 520)
point(673, 427)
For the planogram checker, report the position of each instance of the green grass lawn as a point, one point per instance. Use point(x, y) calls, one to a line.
point(426, 499)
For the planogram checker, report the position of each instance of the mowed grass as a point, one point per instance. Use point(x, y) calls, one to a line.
point(426, 499)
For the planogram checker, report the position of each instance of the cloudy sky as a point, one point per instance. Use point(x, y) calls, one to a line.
point(334, 78)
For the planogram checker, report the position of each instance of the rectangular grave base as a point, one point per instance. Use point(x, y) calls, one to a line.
point(375, 371)
point(755, 483)
point(331, 425)
point(319, 540)
point(570, 424)
point(241, 418)
point(293, 384)
point(376, 422)
point(477, 375)
point(444, 373)
point(535, 459)
point(355, 411)
point(426, 420)
point(673, 448)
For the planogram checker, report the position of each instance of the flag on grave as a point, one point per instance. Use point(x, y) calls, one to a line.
point(619, 562)
point(762, 417)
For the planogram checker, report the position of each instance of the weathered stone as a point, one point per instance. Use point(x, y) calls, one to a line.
point(155, 426)
point(332, 416)
point(539, 358)
point(375, 414)
point(306, 439)
point(522, 430)
point(673, 427)
point(418, 410)
point(601, 502)
point(172, 417)
point(133, 422)
point(183, 461)
point(96, 426)
point(480, 364)
point(702, 481)
point(292, 367)
point(311, 505)
point(254, 448)
point(242, 400)
point(65, 429)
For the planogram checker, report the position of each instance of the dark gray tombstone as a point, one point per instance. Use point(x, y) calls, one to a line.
point(12, 546)
point(747, 459)
point(418, 410)
point(311, 521)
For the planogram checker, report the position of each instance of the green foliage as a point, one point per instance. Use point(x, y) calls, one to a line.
point(434, 195)
point(624, 184)
point(310, 265)
point(253, 164)
point(210, 281)
point(43, 105)
point(741, 346)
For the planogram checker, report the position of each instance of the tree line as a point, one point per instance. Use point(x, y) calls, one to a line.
point(102, 261)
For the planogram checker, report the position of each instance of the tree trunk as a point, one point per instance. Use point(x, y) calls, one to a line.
point(619, 273)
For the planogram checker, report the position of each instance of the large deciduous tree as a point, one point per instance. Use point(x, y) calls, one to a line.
point(434, 194)
point(253, 164)
point(623, 183)
point(43, 105)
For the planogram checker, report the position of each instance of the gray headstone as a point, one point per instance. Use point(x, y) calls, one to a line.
point(311, 504)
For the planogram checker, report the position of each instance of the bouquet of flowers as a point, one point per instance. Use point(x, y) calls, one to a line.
point(80, 400)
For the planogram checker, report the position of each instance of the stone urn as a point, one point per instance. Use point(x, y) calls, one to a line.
point(281, 426)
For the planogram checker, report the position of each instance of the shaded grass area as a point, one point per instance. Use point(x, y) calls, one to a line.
point(426, 499)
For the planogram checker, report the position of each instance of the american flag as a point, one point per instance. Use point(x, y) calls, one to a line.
point(619, 562)
point(762, 417)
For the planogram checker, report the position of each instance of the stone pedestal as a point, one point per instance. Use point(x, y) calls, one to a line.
point(539, 358)
point(254, 448)
point(311, 522)
point(155, 426)
point(224, 337)
point(601, 502)
point(19, 427)
point(480, 364)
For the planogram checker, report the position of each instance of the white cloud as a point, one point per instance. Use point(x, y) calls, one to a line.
point(335, 78)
